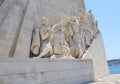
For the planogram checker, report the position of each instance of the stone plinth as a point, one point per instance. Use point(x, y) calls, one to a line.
point(45, 71)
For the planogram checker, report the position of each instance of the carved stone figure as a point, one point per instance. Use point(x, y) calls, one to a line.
point(60, 47)
point(89, 13)
point(81, 16)
point(92, 23)
point(83, 20)
point(35, 45)
point(96, 27)
point(77, 38)
point(68, 31)
point(70, 38)
point(45, 32)
point(81, 12)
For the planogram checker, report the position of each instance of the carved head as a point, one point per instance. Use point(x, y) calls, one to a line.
point(73, 19)
point(44, 21)
point(90, 11)
point(68, 20)
point(90, 15)
point(80, 11)
point(96, 23)
point(59, 26)
point(81, 14)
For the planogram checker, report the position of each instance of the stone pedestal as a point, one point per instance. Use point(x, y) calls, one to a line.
point(45, 71)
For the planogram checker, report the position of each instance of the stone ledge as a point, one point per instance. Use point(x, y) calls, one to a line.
point(42, 60)
point(46, 71)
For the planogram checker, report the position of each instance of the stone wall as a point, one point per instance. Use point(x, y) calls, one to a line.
point(58, 10)
point(4, 9)
point(11, 26)
point(96, 52)
point(45, 71)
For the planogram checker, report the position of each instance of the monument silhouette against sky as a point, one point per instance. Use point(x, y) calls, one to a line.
point(49, 42)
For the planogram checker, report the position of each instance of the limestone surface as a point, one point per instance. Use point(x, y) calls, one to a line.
point(69, 38)
point(50, 29)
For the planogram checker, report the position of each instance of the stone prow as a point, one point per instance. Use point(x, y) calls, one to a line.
point(17, 19)
point(96, 52)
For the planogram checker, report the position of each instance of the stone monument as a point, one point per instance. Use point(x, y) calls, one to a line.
point(47, 33)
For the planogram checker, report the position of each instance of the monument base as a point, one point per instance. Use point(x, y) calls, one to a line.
point(45, 71)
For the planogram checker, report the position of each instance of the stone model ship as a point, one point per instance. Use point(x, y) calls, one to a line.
point(49, 42)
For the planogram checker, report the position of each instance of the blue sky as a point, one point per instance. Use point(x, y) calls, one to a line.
point(107, 12)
